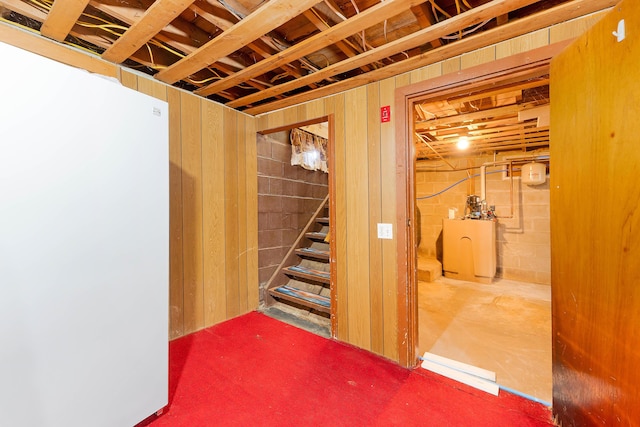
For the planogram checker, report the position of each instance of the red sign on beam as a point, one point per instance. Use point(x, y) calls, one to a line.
point(385, 114)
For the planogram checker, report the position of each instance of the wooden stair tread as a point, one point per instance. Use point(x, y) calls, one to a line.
point(308, 299)
point(316, 235)
point(323, 220)
point(308, 273)
point(313, 253)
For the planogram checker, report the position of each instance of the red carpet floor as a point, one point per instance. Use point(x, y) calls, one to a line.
point(257, 371)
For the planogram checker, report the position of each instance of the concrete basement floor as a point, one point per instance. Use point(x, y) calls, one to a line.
point(504, 327)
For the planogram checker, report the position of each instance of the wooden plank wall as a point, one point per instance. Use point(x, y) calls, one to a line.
point(213, 206)
point(366, 283)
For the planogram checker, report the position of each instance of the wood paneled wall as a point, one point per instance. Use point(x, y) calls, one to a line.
point(213, 207)
point(364, 169)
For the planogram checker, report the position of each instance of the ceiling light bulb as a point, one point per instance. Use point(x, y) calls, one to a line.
point(463, 143)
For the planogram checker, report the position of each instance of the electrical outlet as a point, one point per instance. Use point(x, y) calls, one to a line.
point(385, 231)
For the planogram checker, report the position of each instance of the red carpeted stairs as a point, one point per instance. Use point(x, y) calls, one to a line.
point(257, 371)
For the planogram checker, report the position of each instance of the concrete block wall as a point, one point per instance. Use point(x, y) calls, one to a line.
point(523, 242)
point(287, 198)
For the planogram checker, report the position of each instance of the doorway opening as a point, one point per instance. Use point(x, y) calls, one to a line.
point(460, 319)
point(294, 224)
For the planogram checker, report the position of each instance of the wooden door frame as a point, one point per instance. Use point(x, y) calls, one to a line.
point(513, 67)
point(330, 119)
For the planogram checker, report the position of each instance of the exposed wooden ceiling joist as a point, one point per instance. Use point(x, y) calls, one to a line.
point(345, 47)
point(470, 117)
point(450, 150)
point(158, 16)
point(426, 35)
point(546, 18)
point(266, 18)
point(263, 55)
point(209, 12)
point(529, 84)
point(365, 19)
point(426, 18)
point(61, 18)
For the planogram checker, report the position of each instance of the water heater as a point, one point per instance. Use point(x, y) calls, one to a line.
point(534, 173)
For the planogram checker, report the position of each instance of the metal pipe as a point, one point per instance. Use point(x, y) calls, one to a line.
point(483, 182)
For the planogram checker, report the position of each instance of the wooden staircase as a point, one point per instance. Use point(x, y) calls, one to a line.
point(303, 279)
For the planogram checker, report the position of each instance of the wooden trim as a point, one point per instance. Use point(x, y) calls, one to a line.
point(485, 74)
point(159, 15)
point(405, 97)
point(406, 257)
point(296, 125)
point(332, 226)
point(266, 18)
point(32, 42)
point(61, 18)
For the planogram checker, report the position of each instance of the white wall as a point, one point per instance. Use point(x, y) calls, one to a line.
point(83, 247)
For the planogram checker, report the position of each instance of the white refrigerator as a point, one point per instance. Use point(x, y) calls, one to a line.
point(84, 256)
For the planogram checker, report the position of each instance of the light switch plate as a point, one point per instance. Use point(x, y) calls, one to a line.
point(385, 231)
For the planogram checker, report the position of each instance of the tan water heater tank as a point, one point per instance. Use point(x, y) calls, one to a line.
point(534, 173)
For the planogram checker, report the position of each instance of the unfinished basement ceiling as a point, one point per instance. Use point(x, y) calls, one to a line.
point(512, 115)
point(258, 56)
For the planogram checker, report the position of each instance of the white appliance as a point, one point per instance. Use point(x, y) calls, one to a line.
point(84, 257)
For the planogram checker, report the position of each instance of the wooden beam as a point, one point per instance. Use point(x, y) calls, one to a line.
point(178, 34)
point(323, 26)
point(24, 9)
point(451, 152)
point(441, 146)
point(266, 18)
point(552, 16)
point(79, 32)
point(62, 17)
point(492, 112)
point(489, 128)
point(52, 50)
point(458, 22)
point(193, 32)
point(208, 12)
point(502, 19)
point(363, 20)
point(159, 15)
point(425, 18)
point(506, 136)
